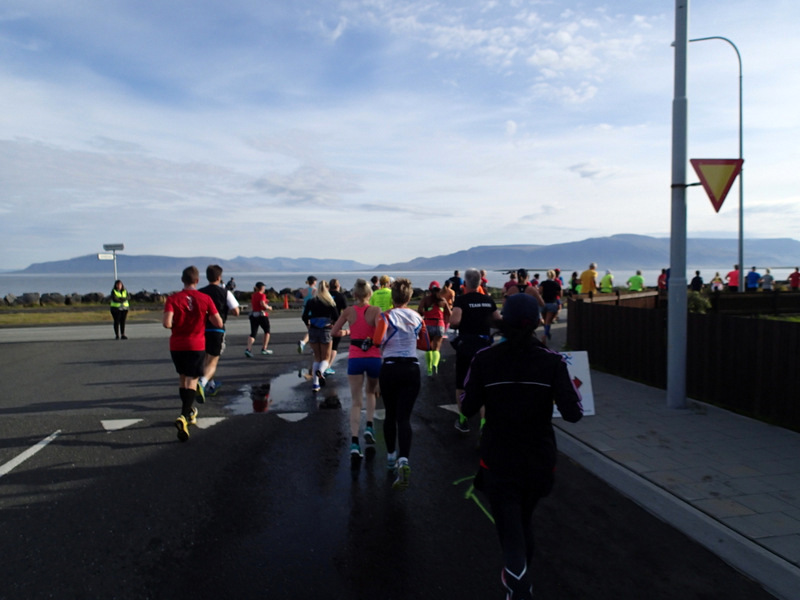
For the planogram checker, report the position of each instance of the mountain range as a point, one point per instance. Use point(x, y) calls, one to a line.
point(621, 251)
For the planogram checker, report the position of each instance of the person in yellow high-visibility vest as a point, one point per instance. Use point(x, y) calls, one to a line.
point(119, 308)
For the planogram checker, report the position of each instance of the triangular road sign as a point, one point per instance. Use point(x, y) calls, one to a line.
point(717, 176)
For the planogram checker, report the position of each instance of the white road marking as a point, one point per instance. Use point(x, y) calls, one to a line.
point(205, 423)
point(117, 424)
point(451, 407)
point(15, 462)
point(293, 417)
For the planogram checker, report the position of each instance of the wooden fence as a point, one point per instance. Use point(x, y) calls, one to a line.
point(751, 366)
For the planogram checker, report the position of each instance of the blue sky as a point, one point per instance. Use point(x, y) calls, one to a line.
point(379, 130)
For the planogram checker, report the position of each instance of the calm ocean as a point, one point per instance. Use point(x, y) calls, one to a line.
point(64, 283)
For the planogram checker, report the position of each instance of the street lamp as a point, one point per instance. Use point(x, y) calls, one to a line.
point(741, 157)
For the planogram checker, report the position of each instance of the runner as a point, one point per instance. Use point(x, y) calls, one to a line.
point(382, 297)
point(185, 313)
point(226, 304)
point(474, 314)
point(398, 331)
point(259, 318)
point(307, 294)
point(319, 315)
point(551, 294)
point(516, 381)
point(341, 303)
point(363, 362)
point(436, 313)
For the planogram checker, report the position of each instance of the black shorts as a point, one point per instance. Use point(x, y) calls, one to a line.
point(261, 321)
point(336, 339)
point(215, 342)
point(189, 362)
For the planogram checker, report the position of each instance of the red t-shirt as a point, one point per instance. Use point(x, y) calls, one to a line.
point(189, 308)
point(255, 301)
point(794, 279)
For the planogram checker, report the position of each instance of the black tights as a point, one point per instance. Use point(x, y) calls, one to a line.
point(512, 505)
point(400, 383)
point(119, 321)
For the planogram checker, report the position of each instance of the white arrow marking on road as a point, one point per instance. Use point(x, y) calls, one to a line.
point(451, 407)
point(117, 424)
point(207, 422)
point(293, 417)
point(15, 462)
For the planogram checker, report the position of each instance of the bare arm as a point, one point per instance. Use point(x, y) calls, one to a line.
point(166, 321)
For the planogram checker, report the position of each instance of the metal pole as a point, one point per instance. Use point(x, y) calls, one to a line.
point(741, 156)
point(676, 311)
point(115, 265)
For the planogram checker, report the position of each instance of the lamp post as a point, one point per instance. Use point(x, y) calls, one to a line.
point(677, 303)
point(741, 156)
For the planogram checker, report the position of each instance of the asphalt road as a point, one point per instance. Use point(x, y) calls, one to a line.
point(269, 504)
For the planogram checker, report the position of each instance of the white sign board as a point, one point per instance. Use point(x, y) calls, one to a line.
point(103, 256)
point(581, 375)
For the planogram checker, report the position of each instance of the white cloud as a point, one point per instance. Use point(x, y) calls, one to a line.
point(431, 119)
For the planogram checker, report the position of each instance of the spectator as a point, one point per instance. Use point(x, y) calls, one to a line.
point(589, 279)
point(751, 280)
point(636, 282)
point(696, 285)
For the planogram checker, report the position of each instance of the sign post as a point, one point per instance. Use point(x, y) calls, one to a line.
point(113, 249)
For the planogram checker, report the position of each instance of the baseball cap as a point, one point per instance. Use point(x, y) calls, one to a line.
point(434, 285)
point(521, 310)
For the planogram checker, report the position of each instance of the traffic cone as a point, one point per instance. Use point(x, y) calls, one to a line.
point(286, 301)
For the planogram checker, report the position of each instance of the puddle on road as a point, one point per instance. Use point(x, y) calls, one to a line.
point(287, 393)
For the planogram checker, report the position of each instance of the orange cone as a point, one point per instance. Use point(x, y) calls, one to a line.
point(286, 301)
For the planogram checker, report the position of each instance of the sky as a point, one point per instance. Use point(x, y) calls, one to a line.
point(381, 130)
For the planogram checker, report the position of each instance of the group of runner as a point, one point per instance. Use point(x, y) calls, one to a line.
point(513, 383)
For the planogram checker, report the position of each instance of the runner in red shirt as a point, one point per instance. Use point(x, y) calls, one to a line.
point(794, 279)
point(185, 313)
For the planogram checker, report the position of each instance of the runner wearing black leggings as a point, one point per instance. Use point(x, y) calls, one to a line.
point(397, 332)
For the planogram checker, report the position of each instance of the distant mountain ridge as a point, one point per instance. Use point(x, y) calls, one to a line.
point(621, 251)
point(127, 263)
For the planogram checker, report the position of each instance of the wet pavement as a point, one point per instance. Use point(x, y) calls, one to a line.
point(264, 500)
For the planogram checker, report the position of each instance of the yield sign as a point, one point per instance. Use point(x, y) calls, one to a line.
point(717, 176)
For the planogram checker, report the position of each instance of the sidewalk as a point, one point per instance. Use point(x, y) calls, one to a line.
point(729, 482)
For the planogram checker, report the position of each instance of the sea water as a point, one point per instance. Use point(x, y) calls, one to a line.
point(66, 283)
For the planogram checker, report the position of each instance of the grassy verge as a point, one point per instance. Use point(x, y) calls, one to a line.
point(68, 315)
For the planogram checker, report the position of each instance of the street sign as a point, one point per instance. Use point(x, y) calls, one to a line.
point(717, 176)
point(104, 256)
point(113, 246)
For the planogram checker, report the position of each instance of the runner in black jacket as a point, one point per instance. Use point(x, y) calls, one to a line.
point(517, 381)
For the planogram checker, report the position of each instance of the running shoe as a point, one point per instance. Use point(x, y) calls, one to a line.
point(212, 389)
point(321, 377)
point(369, 436)
point(183, 428)
point(355, 450)
point(430, 372)
point(391, 461)
point(315, 388)
point(330, 371)
point(301, 345)
point(265, 351)
point(248, 354)
point(193, 416)
point(403, 474)
point(200, 393)
point(462, 424)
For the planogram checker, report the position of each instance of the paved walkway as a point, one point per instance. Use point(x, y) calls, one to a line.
point(730, 482)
